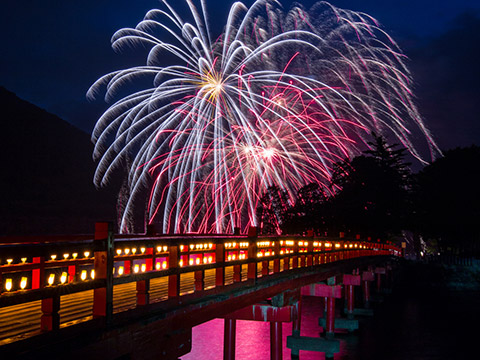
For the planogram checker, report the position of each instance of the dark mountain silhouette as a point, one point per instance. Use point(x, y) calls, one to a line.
point(46, 174)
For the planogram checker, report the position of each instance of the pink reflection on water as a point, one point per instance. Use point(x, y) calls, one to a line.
point(253, 337)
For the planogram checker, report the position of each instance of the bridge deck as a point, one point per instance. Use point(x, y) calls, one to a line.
point(98, 287)
point(23, 320)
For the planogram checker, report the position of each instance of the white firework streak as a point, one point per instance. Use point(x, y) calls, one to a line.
point(277, 99)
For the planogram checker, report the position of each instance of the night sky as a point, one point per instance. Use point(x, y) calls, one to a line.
point(53, 50)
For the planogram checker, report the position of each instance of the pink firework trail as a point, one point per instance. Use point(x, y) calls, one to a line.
point(277, 99)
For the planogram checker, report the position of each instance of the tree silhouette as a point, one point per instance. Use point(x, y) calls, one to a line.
point(273, 209)
point(309, 211)
point(371, 197)
point(447, 199)
point(371, 191)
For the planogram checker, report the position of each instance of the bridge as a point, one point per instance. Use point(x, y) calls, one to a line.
point(139, 296)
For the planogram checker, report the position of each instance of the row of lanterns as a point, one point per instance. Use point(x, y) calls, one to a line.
point(50, 280)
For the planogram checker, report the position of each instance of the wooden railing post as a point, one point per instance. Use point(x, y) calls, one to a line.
point(286, 263)
point(50, 319)
point(103, 265)
point(265, 269)
point(199, 280)
point(323, 254)
point(295, 255)
point(276, 262)
point(220, 258)
point(303, 261)
point(252, 253)
point(252, 256)
point(143, 286)
point(72, 272)
point(150, 261)
point(310, 250)
point(143, 295)
point(38, 275)
point(237, 273)
point(173, 279)
point(127, 265)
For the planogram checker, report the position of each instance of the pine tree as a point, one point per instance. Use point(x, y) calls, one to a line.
point(372, 190)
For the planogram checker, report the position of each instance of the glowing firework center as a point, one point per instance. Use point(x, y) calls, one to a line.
point(276, 99)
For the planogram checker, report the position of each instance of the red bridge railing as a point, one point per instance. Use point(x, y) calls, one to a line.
point(47, 268)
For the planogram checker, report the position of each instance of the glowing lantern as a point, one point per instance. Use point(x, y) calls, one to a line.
point(51, 279)
point(63, 277)
point(23, 283)
point(136, 268)
point(8, 284)
point(92, 274)
point(120, 270)
point(83, 275)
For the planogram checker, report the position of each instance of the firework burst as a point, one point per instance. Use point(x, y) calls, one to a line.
point(278, 98)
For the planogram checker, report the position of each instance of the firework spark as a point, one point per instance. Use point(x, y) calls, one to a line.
point(278, 98)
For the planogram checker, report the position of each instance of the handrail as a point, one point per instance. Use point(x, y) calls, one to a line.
point(45, 270)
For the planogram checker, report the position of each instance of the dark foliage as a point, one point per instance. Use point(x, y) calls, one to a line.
point(371, 198)
point(447, 198)
point(372, 191)
point(273, 210)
